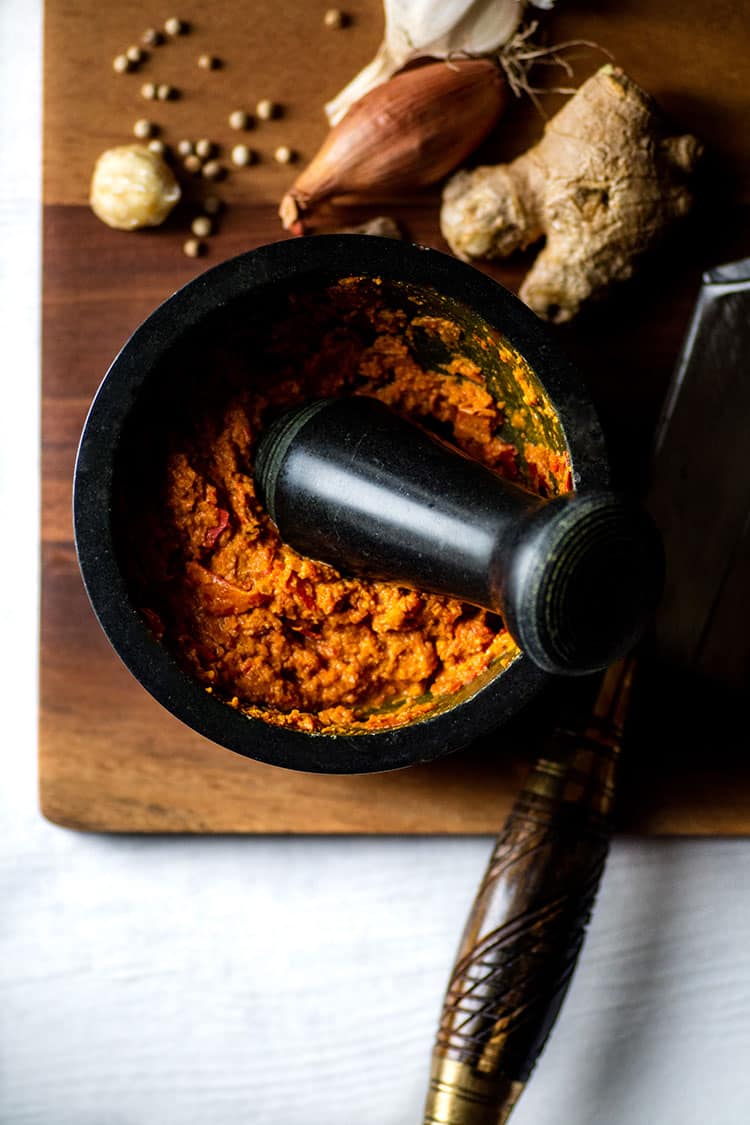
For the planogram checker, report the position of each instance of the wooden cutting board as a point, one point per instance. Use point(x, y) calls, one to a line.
point(110, 757)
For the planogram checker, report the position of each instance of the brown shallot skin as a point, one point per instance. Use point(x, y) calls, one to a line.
point(405, 134)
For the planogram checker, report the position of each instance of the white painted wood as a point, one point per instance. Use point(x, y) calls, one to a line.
point(298, 981)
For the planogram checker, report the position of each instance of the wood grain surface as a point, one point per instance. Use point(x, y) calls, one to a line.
point(110, 757)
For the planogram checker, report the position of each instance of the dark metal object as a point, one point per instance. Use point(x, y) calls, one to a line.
point(576, 577)
point(701, 492)
point(267, 274)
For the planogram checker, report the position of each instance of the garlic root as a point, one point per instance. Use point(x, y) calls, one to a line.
point(405, 134)
point(603, 183)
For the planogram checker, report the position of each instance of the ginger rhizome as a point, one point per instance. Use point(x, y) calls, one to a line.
point(601, 186)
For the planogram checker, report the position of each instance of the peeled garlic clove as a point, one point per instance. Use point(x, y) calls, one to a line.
point(132, 187)
point(406, 134)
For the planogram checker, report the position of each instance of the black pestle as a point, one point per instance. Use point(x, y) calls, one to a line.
point(348, 482)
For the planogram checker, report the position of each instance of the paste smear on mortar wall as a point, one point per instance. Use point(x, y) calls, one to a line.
point(269, 631)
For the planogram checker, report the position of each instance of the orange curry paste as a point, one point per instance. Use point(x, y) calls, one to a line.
point(268, 631)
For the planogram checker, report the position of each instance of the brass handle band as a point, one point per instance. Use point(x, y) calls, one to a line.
point(459, 1096)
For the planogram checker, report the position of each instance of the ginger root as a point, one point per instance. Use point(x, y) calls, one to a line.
point(601, 186)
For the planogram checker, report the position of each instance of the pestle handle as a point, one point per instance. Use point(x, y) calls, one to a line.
point(576, 578)
point(528, 921)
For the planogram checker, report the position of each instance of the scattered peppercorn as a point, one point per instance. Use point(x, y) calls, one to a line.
point(144, 128)
point(335, 19)
point(193, 248)
point(238, 119)
point(242, 155)
point(266, 109)
point(196, 154)
point(212, 170)
point(152, 38)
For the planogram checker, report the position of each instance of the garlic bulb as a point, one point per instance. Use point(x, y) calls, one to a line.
point(423, 28)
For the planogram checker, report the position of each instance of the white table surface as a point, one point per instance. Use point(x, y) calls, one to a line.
point(297, 981)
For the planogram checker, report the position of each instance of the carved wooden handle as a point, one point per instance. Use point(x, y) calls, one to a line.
point(528, 921)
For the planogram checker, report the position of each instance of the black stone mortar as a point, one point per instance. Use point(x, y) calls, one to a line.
point(254, 284)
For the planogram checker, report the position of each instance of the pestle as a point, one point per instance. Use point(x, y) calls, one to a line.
point(349, 482)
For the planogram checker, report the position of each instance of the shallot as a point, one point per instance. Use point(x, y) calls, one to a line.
point(408, 133)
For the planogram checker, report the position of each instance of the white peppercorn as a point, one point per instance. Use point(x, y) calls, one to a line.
point(143, 129)
point(175, 26)
point(335, 19)
point(193, 248)
point(135, 54)
point(204, 147)
point(152, 38)
point(202, 226)
point(208, 62)
point(148, 90)
point(185, 147)
point(165, 93)
point(238, 119)
point(266, 109)
point(158, 147)
point(192, 163)
point(284, 155)
point(120, 64)
point(212, 170)
point(242, 155)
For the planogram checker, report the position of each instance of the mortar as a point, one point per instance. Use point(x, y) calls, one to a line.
point(251, 293)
